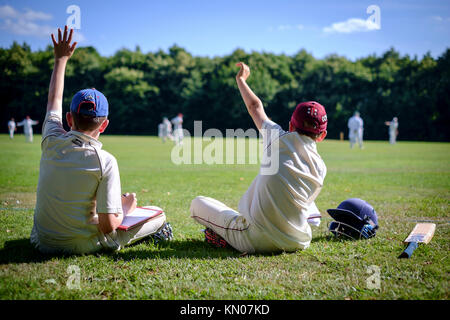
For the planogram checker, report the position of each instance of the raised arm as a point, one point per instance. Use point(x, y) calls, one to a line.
point(63, 50)
point(252, 102)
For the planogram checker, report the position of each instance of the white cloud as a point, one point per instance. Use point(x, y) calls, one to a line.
point(8, 12)
point(286, 27)
point(36, 15)
point(352, 25)
point(26, 28)
point(440, 19)
point(25, 23)
point(30, 15)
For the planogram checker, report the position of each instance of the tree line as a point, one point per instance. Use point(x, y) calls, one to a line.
point(144, 87)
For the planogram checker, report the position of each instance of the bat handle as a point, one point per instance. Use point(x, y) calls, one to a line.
point(409, 250)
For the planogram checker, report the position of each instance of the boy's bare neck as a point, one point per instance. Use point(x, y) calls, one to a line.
point(93, 134)
point(309, 137)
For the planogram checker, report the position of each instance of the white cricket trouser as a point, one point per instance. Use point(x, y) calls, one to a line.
point(178, 136)
point(120, 238)
point(355, 136)
point(11, 133)
point(115, 240)
point(230, 225)
point(29, 136)
point(138, 233)
point(392, 137)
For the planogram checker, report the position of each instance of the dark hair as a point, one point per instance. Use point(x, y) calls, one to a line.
point(308, 124)
point(86, 123)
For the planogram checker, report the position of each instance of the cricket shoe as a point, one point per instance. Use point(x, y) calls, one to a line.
point(165, 233)
point(214, 239)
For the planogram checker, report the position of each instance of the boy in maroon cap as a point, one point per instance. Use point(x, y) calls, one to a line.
point(273, 213)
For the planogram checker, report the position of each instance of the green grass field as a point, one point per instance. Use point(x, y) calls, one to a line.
point(405, 183)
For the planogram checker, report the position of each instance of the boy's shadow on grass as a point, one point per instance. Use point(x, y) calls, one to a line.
point(189, 249)
point(194, 248)
point(22, 251)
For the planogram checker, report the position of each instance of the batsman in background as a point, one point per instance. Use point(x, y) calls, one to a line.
point(273, 212)
point(79, 203)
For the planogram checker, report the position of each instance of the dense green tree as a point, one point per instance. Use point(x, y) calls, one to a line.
point(143, 87)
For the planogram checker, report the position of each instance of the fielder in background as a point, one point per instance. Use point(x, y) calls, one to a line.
point(356, 129)
point(11, 128)
point(160, 130)
point(28, 124)
point(165, 130)
point(178, 129)
point(393, 130)
point(79, 202)
point(272, 215)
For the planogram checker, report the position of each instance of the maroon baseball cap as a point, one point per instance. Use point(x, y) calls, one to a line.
point(314, 113)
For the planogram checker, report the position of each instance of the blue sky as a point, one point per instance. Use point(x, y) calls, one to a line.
point(217, 27)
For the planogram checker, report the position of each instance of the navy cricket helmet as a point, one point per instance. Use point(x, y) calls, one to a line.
point(354, 218)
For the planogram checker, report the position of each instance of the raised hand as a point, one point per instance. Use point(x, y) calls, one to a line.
point(244, 72)
point(63, 49)
point(252, 102)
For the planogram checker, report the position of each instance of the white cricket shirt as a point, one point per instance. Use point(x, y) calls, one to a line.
point(177, 123)
point(77, 179)
point(278, 203)
point(393, 126)
point(11, 125)
point(27, 125)
point(355, 123)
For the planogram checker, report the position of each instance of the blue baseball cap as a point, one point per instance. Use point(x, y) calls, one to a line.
point(90, 102)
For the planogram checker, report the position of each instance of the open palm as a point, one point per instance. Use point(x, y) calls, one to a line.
point(63, 48)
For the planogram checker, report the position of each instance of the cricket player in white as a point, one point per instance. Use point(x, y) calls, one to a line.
point(393, 130)
point(11, 128)
point(356, 127)
point(28, 124)
point(272, 215)
point(79, 203)
point(178, 129)
point(165, 130)
point(160, 130)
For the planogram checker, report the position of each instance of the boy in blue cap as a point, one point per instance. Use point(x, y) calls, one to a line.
point(79, 203)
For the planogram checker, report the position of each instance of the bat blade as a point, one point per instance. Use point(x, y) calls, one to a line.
point(422, 233)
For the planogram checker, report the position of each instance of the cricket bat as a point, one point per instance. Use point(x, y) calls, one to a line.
point(422, 233)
